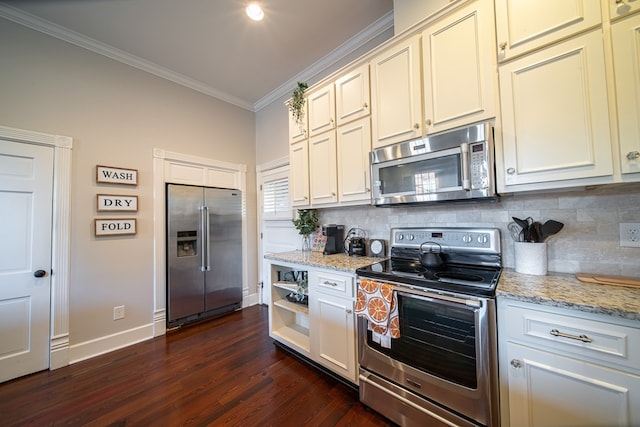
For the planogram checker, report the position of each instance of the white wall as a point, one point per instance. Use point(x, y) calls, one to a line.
point(116, 115)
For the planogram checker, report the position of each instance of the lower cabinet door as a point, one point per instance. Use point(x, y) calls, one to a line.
point(332, 333)
point(549, 390)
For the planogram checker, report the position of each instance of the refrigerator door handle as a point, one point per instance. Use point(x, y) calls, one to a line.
point(204, 233)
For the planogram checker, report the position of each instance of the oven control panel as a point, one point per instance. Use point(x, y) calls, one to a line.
point(484, 240)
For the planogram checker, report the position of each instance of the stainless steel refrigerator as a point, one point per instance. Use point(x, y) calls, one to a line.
point(204, 252)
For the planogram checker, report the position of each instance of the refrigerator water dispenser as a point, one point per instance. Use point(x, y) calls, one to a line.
point(187, 241)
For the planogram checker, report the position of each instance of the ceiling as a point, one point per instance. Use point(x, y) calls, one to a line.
point(211, 45)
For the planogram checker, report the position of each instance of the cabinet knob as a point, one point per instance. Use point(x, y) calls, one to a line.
point(632, 155)
point(511, 171)
point(428, 122)
point(349, 311)
point(416, 126)
point(365, 105)
point(333, 194)
point(503, 46)
point(516, 363)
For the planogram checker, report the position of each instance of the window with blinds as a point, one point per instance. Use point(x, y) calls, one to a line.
point(275, 199)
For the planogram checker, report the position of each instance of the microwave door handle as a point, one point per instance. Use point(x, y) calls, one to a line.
point(465, 169)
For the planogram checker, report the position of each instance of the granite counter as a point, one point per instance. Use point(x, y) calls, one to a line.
point(339, 262)
point(565, 291)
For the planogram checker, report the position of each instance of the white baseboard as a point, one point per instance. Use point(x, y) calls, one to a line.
point(249, 300)
point(106, 344)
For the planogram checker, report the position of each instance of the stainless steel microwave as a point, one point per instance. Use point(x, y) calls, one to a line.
point(452, 165)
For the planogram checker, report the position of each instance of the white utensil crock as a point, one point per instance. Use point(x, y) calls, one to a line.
point(531, 258)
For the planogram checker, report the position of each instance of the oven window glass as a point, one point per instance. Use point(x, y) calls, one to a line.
point(435, 337)
point(426, 176)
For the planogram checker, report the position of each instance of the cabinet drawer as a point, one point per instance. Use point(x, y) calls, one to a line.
point(595, 338)
point(335, 284)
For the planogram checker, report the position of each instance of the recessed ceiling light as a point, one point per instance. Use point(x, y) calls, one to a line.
point(255, 12)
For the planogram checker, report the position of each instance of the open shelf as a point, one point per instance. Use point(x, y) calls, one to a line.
point(296, 335)
point(292, 306)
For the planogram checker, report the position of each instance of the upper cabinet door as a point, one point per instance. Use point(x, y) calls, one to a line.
point(297, 130)
point(323, 175)
point(396, 113)
point(299, 173)
point(555, 117)
point(354, 145)
point(523, 26)
point(321, 108)
point(620, 8)
point(626, 58)
point(458, 62)
point(352, 95)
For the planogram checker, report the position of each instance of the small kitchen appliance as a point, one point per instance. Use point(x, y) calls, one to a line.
point(335, 238)
point(356, 242)
point(443, 365)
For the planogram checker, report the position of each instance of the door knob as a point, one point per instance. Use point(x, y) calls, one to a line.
point(39, 273)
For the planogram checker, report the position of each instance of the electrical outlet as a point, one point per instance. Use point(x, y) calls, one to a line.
point(118, 312)
point(630, 234)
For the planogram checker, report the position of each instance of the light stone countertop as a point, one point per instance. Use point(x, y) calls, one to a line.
point(555, 289)
point(565, 291)
point(338, 262)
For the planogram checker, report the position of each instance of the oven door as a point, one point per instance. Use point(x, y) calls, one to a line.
point(446, 352)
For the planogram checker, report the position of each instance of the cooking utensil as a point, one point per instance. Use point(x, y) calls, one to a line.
point(550, 228)
point(536, 233)
point(524, 224)
point(431, 259)
point(516, 232)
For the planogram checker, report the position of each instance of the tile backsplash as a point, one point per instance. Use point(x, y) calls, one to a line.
point(589, 241)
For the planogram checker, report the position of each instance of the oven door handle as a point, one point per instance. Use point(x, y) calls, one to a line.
point(429, 296)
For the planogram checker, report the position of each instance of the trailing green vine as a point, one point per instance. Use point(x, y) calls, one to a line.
point(296, 105)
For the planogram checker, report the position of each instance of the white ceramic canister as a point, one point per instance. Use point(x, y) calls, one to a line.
point(531, 258)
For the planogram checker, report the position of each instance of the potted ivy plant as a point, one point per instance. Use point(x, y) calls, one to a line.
point(296, 105)
point(306, 223)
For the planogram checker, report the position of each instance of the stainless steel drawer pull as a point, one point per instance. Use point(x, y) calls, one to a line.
point(326, 282)
point(583, 338)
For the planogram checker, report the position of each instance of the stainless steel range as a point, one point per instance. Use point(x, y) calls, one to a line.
point(442, 370)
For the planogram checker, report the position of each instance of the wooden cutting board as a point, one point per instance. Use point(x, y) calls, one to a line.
point(608, 279)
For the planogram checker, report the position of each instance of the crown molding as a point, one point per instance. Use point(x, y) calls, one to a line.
point(54, 30)
point(351, 45)
point(35, 23)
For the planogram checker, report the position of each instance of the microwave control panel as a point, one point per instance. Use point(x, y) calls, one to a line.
point(479, 166)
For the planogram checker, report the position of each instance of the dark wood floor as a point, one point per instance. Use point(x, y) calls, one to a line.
point(226, 371)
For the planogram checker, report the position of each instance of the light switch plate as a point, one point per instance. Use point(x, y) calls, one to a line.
point(630, 234)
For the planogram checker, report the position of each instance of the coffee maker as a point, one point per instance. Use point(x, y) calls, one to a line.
point(335, 238)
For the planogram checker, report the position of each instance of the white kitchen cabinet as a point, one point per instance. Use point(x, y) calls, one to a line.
point(561, 367)
point(288, 321)
point(321, 108)
point(323, 175)
point(625, 35)
point(353, 147)
point(333, 322)
point(459, 67)
point(353, 98)
point(298, 130)
point(622, 8)
point(523, 26)
point(396, 105)
point(555, 117)
point(299, 173)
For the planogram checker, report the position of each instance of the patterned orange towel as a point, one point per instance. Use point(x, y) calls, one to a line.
point(378, 302)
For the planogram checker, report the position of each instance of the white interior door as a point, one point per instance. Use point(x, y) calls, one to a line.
point(26, 191)
point(277, 233)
